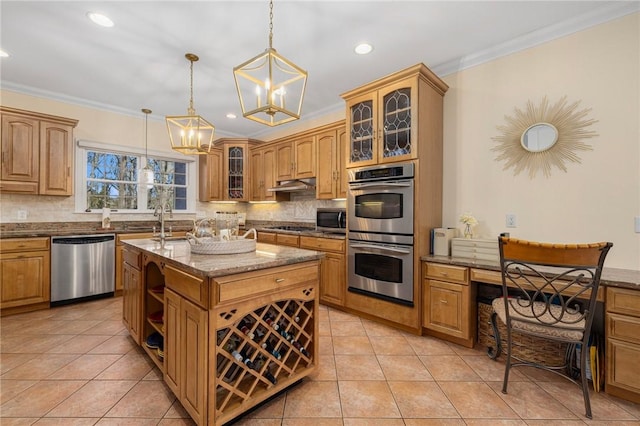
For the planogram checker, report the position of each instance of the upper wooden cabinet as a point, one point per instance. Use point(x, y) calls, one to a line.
point(224, 172)
point(331, 179)
point(296, 159)
point(37, 153)
point(393, 118)
point(210, 175)
point(263, 175)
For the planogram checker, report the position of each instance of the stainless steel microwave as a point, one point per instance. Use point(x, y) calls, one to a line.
point(331, 220)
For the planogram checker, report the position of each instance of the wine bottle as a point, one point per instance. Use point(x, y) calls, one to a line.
point(271, 349)
point(242, 326)
point(301, 348)
point(270, 321)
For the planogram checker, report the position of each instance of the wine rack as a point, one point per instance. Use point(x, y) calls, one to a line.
point(260, 350)
point(154, 310)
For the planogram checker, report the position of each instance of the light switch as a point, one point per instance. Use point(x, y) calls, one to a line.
point(637, 224)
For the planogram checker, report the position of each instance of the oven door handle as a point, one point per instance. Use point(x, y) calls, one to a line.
point(380, 185)
point(377, 247)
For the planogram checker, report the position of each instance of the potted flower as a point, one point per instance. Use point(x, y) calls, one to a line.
point(469, 222)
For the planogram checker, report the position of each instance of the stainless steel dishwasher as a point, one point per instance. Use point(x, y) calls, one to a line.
point(82, 268)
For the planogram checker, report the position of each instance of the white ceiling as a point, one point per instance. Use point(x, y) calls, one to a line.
point(56, 52)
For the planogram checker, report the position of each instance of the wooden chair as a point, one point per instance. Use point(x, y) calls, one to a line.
point(549, 291)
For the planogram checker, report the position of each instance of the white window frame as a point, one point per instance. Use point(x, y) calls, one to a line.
point(82, 146)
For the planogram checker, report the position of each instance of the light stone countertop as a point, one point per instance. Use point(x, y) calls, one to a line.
point(612, 277)
point(178, 253)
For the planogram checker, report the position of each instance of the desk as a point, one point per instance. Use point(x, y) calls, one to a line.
point(452, 315)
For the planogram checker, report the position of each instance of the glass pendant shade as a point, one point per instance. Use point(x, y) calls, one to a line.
point(270, 87)
point(190, 134)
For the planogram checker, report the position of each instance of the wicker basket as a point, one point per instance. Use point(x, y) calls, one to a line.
point(529, 348)
point(213, 245)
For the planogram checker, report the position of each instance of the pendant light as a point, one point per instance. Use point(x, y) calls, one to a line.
point(190, 134)
point(146, 173)
point(270, 87)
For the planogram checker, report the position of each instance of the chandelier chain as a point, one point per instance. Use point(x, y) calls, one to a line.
point(191, 110)
point(270, 23)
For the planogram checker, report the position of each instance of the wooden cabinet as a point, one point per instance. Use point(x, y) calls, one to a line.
point(224, 173)
point(296, 159)
point(25, 275)
point(37, 153)
point(333, 268)
point(391, 119)
point(449, 305)
point(279, 239)
point(331, 179)
point(132, 292)
point(210, 176)
point(623, 343)
point(236, 170)
point(186, 353)
point(263, 175)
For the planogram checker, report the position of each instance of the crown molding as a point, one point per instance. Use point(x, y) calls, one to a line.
point(604, 14)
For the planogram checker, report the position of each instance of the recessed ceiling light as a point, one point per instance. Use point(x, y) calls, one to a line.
point(3, 54)
point(100, 19)
point(231, 115)
point(363, 48)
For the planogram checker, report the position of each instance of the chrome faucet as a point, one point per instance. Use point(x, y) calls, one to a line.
point(162, 208)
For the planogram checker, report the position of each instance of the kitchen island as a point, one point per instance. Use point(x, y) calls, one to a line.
point(227, 331)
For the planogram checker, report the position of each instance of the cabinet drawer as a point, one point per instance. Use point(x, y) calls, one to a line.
point(267, 237)
point(288, 240)
point(322, 244)
point(133, 258)
point(459, 274)
point(24, 244)
point(187, 285)
point(623, 327)
point(623, 301)
point(253, 284)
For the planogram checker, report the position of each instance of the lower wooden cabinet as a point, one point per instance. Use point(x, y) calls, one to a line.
point(186, 353)
point(333, 268)
point(132, 292)
point(25, 274)
point(623, 343)
point(449, 303)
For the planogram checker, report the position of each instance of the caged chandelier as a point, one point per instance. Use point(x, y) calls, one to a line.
point(190, 134)
point(270, 87)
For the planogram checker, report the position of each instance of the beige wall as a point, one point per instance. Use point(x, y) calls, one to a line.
point(593, 201)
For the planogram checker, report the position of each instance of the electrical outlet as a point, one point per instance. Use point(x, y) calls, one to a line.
point(510, 220)
point(22, 215)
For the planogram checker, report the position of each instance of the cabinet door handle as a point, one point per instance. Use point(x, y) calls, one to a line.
point(279, 280)
point(444, 302)
point(444, 274)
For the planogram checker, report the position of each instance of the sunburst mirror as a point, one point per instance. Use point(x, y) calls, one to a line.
point(541, 137)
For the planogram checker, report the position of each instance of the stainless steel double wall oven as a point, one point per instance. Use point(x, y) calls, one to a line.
point(380, 217)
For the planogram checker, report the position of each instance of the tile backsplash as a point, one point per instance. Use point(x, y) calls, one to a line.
point(16, 208)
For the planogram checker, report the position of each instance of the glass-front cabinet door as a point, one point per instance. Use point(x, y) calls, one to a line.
point(382, 125)
point(362, 130)
point(235, 177)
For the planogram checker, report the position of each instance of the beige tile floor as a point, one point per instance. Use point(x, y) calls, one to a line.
point(76, 365)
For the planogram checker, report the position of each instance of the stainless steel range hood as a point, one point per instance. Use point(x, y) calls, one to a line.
point(296, 185)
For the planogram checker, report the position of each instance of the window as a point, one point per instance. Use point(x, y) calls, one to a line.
point(111, 179)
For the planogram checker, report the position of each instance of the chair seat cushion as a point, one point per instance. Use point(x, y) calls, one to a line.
point(546, 325)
